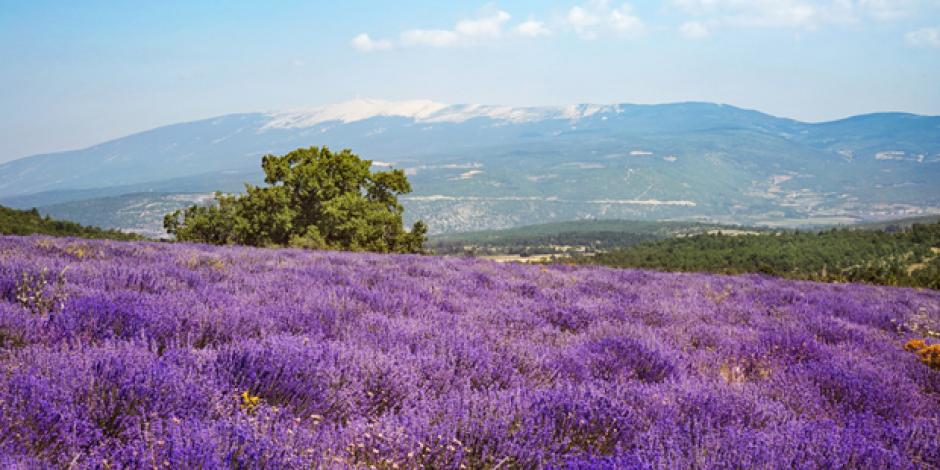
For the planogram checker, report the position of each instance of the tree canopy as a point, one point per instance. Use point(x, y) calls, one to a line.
point(902, 257)
point(19, 222)
point(313, 198)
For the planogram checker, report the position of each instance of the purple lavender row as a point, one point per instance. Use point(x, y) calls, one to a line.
point(137, 354)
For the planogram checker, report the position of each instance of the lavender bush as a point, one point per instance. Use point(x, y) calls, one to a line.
point(135, 354)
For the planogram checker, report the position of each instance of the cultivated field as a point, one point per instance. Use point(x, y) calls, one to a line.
point(149, 355)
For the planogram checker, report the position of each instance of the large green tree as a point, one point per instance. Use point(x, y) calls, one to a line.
point(314, 198)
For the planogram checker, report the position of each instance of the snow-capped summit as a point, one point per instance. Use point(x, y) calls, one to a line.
point(424, 111)
point(353, 110)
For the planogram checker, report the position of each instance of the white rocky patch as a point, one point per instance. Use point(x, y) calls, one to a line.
point(469, 174)
point(537, 178)
point(890, 155)
point(643, 202)
point(226, 137)
point(584, 165)
point(457, 166)
point(426, 111)
point(634, 202)
point(351, 111)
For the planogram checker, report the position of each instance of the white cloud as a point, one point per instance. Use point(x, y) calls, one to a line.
point(488, 26)
point(532, 29)
point(597, 17)
point(796, 14)
point(589, 20)
point(924, 37)
point(694, 30)
point(464, 32)
point(623, 20)
point(581, 19)
point(429, 37)
point(767, 13)
point(592, 19)
point(364, 43)
point(887, 10)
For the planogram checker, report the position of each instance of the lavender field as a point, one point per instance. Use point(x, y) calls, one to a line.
point(146, 355)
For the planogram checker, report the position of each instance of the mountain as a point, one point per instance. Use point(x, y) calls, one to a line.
point(477, 167)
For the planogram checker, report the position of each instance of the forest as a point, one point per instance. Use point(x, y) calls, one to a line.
point(897, 256)
point(894, 254)
point(29, 222)
point(585, 236)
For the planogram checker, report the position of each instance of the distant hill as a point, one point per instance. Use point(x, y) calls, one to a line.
point(905, 256)
point(898, 224)
point(18, 222)
point(563, 237)
point(140, 213)
point(478, 167)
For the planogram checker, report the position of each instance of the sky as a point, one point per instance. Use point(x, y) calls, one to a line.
point(73, 74)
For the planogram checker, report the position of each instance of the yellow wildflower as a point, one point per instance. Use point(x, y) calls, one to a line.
point(249, 402)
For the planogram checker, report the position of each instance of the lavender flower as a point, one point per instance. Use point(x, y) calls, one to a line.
point(136, 354)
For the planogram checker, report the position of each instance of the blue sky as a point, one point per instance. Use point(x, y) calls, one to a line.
point(77, 73)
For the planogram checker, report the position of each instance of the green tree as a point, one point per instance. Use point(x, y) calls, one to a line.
point(19, 222)
point(313, 198)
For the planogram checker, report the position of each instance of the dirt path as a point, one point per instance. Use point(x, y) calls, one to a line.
point(923, 264)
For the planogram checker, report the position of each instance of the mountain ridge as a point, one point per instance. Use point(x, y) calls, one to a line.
point(272, 113)
point(485, 167)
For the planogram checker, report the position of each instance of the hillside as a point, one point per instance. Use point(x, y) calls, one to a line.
point(17, 222)
point(582, 236)
point(476, 167)
point(898, 224)
point(909, 257)
point(136, 212)
point(140, 355)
